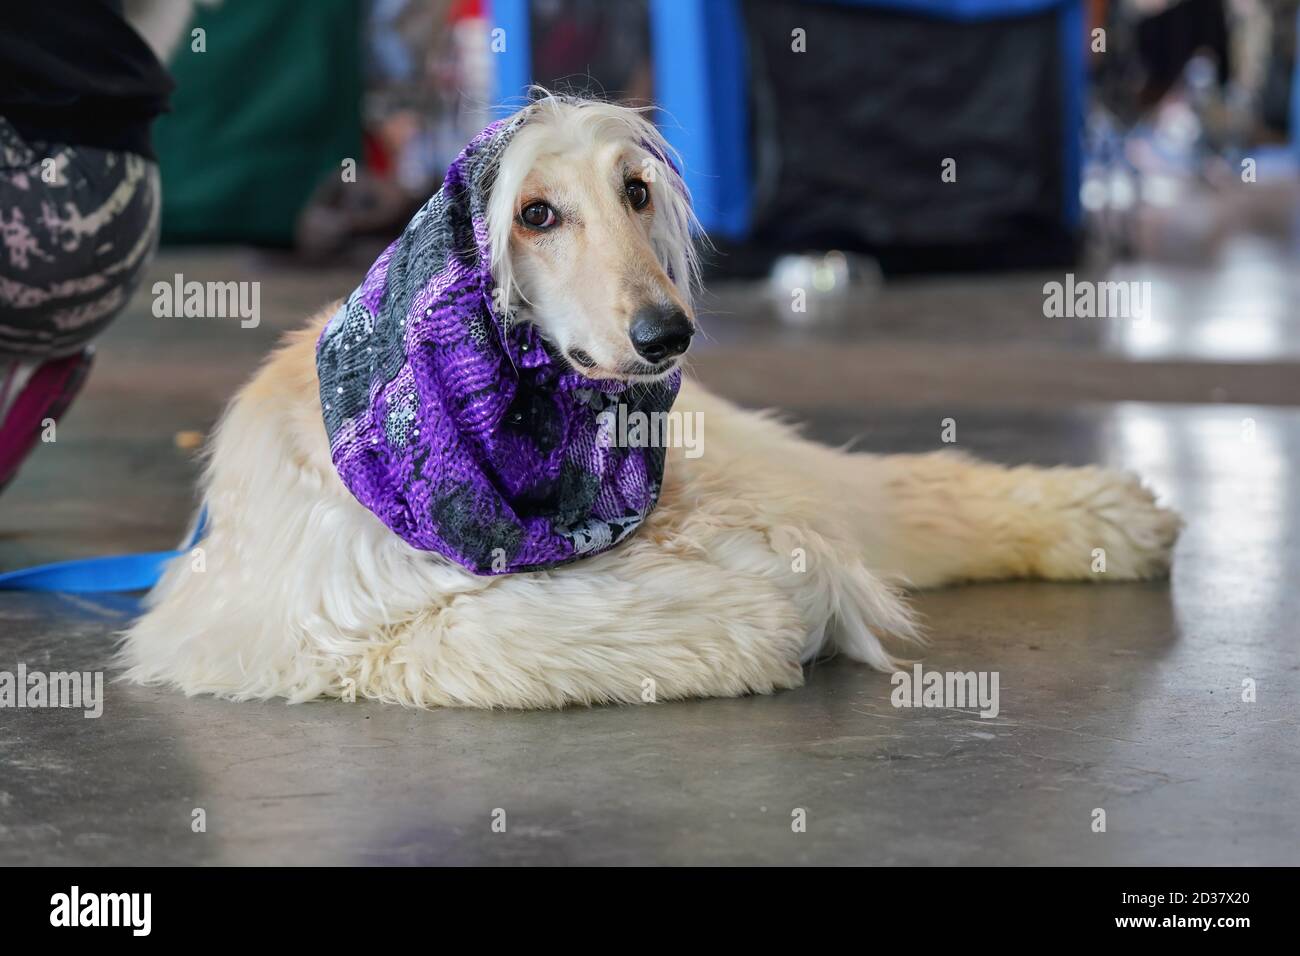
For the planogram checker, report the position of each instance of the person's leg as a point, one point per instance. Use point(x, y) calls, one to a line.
point(41, 392)
point(78, 226)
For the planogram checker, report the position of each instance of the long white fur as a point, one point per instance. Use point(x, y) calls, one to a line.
point(765, 552)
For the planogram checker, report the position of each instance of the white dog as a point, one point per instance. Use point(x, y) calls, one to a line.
point(764, 552)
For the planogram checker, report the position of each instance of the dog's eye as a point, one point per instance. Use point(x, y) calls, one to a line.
point(638, 193)
point(538, 215)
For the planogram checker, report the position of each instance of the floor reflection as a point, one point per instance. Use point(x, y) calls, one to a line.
point(1232, 473)
point(1241, 307)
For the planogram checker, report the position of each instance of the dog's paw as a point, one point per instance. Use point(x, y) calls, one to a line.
point(1112, 529)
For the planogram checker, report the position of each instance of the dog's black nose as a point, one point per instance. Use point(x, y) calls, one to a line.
point(659, 333)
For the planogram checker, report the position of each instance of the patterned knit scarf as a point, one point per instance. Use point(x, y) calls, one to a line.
point(462, 431)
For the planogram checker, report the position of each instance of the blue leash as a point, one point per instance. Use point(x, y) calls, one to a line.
point(121, 572)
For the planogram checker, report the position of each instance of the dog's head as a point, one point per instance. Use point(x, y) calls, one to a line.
point(591, 234)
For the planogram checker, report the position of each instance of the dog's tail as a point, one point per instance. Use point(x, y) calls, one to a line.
point(864, 607)
point(845, 607)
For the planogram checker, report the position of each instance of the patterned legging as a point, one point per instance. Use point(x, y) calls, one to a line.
point(78, 226)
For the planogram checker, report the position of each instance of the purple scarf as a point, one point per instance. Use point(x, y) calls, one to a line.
point(462, 432)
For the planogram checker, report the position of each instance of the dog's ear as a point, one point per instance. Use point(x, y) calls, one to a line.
point(509, 164)
point(676, 230)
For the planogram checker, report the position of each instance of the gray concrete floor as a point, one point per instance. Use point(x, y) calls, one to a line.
point(1125, 697)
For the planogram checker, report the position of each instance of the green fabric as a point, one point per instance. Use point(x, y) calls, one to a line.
point(257, 120)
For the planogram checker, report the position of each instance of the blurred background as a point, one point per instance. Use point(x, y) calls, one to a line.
point(805, 125)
